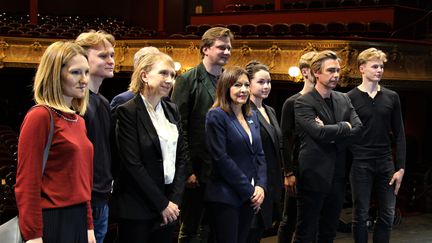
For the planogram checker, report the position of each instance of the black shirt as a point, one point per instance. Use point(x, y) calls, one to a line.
point(290, 140)
point(382, 120)
point(98, 123)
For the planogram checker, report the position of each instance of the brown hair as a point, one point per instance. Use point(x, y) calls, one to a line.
point(225, 82)
point(253, 67)
point(210, 36)
point(318, 60)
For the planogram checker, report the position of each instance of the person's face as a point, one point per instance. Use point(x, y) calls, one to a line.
point(328, 76)
point(372, 70)
point(260, 84)
point(101, 60)
point(159, 80)
point(239, 91)
point(74, 78)
point(219, 52)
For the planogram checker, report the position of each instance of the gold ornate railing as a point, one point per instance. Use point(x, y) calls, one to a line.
point(407, 61)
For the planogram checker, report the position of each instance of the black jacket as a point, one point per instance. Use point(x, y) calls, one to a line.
point(323, 149)
point(140, 191)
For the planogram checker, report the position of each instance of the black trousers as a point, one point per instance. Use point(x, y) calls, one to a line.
point(144, 231)
point(193, 216)
point(318, 214)
point(371, 177)
point(65, 225)
point(289, 219)
point(230, 224)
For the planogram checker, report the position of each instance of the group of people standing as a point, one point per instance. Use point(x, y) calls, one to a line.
point(202, 149)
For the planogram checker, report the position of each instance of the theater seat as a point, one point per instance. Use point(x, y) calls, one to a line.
point(281, 29)
point(379, 29)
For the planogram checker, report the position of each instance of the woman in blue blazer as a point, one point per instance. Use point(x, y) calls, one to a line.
point(236, 188)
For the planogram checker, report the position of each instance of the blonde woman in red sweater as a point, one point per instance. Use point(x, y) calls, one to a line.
point(54, 206)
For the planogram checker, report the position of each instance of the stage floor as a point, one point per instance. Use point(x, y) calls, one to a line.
point(413, 229)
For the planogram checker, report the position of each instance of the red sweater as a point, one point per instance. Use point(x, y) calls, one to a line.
point(68, 175)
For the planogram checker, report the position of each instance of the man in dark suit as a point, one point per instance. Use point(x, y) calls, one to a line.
point(194, 93)
point(327, 122)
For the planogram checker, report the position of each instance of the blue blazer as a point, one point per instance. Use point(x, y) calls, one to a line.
point(235, 160)
point(121, 99)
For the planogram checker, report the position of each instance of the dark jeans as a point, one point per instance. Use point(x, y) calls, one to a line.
point(289, 219)
point(369, 176)
point(318, 214)
point(230, 224)
point(100, 221)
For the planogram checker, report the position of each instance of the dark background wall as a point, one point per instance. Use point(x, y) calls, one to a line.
point(140, 13)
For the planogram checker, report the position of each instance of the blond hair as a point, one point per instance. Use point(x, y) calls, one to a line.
point(47, 86)
point(371, 54)
point(143, 52)
point(145, 64)
point(93, 38)
point(210, 36)
point(306, 59)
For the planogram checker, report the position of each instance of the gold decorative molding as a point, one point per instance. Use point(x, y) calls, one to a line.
point(245, 50)
point(36, 46)
point(121, 52)
point(406, 61)
point(3, 46)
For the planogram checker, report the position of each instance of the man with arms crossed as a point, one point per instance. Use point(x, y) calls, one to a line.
point(326, 122)
point(194, 93)
point(100, 50)
point(373, 168)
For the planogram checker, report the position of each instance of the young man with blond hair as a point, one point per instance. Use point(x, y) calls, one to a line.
point(290, 147)
point(100, 51)
point(374, 168)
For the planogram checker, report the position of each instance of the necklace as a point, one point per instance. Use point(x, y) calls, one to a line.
point(64, 117)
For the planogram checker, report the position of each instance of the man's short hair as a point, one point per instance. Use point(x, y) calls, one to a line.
point(305, 59)
point(320, 58)
point(93, 38)
point(210, 36)
point(371, 54)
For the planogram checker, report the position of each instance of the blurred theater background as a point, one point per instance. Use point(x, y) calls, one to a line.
point(275, 32)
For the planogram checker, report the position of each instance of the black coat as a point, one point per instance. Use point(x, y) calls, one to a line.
point(140, 190)
point(194, 93)
point(322, 152)
point(271, 143)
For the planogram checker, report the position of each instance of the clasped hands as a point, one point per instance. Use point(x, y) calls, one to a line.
point(257, 198)
point(170, 213)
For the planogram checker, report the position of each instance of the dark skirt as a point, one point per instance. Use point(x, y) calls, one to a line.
point(65, 225)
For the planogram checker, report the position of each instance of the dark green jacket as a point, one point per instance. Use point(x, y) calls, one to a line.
point(194, 94)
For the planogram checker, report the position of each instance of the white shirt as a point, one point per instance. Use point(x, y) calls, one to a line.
point(168, 136)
